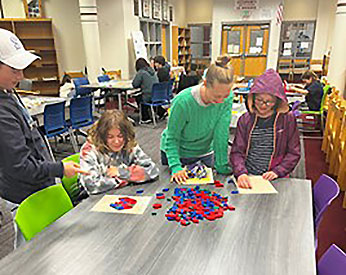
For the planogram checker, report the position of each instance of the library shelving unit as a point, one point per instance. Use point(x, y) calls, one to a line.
point(37, 37)
point(151, 30)
point(181, 43)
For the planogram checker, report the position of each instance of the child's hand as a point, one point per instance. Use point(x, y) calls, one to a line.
point(269, 175)
point(137, 173)
point(180, 177)
point(112, 172)
point(243, 181)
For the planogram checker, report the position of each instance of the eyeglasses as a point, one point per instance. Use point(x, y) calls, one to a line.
point(264, 102)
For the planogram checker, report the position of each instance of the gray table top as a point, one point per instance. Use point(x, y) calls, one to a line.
point(266, 234)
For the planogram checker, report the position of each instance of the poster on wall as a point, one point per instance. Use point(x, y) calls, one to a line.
point(246, 4)
point(156, 4)
point(33, 8)
point(145, 8)
point(165, 10)
point(139, 44)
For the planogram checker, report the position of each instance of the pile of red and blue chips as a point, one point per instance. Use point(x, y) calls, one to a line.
point(124, 203)
point(195, 204)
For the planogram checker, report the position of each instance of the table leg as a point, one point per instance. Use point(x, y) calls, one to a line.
point(119, 102)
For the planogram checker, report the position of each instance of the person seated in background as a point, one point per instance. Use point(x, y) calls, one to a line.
point(112, 155)
point(191, 79)
point(144, 79)
point(267, 138)
point(152, 63)
point(198, 124)
point(67, 89)
point(313, 90)
point(163, 68)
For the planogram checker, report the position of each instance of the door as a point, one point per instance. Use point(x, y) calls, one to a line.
point(248, 46)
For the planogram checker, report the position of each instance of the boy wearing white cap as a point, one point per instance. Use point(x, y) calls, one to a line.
point(25, 163)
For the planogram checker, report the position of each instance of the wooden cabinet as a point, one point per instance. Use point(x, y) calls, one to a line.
point(181, 43)
point(37, 37)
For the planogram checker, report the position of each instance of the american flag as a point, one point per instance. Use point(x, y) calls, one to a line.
point(279, 14)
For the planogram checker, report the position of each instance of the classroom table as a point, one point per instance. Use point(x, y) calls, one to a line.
point(266, 234)
point(35, 104)
point(120, 87)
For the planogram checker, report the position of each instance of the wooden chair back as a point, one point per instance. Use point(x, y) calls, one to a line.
point(334, 145)
point(114, 74)
point(341, 155)
point(332, 99)
point(75, 74)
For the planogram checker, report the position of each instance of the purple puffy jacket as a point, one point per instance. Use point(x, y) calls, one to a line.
point(286, 144)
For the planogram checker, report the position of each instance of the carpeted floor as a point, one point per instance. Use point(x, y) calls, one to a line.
point(333, 226)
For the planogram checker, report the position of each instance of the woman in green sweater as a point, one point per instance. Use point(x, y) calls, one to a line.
point(198, 125)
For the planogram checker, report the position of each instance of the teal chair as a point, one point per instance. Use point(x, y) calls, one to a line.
point(41, 209)
point(73, 188)
point(320, 112)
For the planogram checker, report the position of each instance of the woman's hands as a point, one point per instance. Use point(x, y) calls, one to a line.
point(180, 177)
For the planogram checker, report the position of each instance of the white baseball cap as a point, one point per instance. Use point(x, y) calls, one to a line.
point(12, 52)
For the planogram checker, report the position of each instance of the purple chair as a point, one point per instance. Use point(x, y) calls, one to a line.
point(332, 262)
point(295, 108)
point(325, 191)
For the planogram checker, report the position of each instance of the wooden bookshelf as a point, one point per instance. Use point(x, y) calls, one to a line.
point(37, 36)
point(181, 43)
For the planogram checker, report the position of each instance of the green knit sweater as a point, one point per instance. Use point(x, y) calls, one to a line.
point(194, 130)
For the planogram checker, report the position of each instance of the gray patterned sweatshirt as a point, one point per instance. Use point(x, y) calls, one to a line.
point(97, 164)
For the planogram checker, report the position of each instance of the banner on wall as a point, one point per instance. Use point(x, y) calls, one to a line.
point(247, 4)
point(139, 44)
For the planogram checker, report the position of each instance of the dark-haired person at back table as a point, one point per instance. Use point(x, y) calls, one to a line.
point(26, 165)
point(313, 90)
point(163, 69)
point(145, 79)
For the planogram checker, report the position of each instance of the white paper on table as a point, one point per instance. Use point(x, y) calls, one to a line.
point(259, 41)
point(287, 45)
point(304, 45)
point(103, 205)
point(259, 186)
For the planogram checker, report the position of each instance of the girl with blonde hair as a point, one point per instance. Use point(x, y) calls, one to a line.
point(112, 155)
point(198, 125)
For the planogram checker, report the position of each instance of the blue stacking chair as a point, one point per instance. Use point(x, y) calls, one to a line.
point(104, 91)
point(81, 113)
point(54, 119)
point(170, 89)
point(55, 123)
point(103, 78)
point(159, 97)
point(82, 91)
